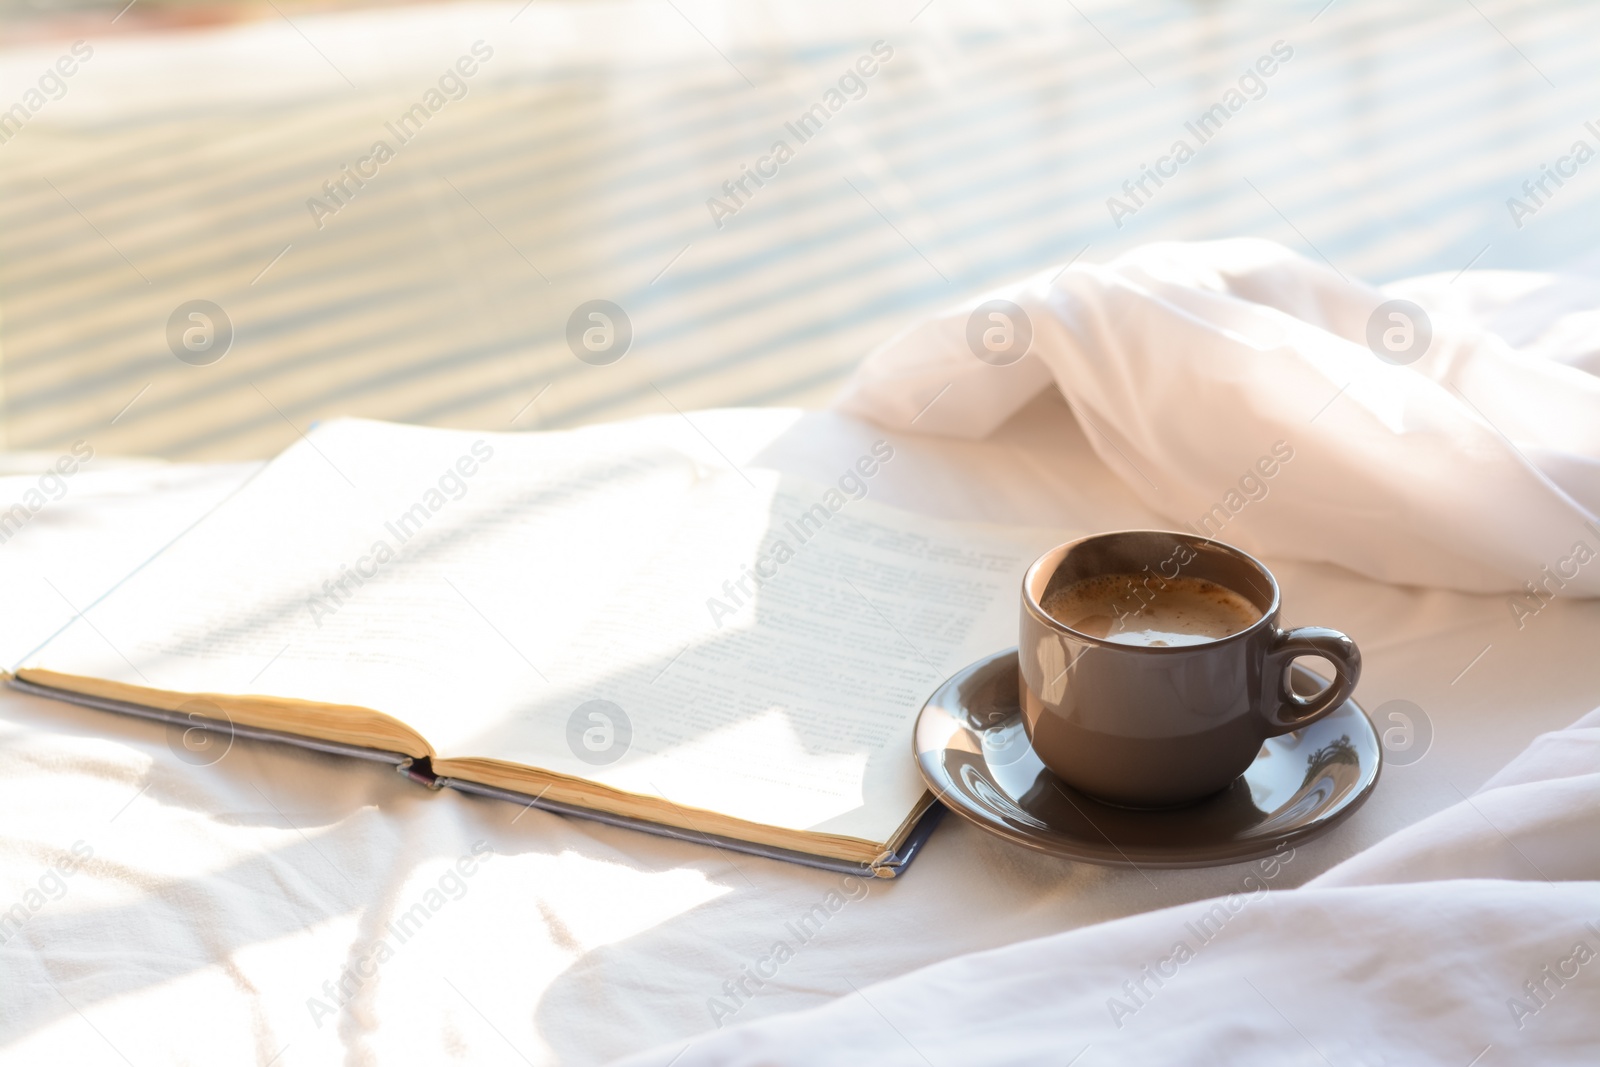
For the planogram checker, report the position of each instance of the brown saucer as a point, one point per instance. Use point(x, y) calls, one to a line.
point(973, 753)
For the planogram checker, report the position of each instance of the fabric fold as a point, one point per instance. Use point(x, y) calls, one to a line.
point(1476, 929)
point(1238, 389)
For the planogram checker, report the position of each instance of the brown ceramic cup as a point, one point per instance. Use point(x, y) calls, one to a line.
point(1148, 726)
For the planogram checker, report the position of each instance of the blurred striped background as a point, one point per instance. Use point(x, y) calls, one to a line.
point(577, 167)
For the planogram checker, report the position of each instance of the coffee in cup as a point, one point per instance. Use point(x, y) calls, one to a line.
point(1140, 609)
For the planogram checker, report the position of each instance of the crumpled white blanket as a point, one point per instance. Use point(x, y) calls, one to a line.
point(1265, 399)
point(1469, 939)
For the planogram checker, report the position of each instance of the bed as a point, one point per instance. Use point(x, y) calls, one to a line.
point(172, 909)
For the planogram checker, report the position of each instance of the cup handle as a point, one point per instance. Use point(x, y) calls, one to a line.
point(1287, 710)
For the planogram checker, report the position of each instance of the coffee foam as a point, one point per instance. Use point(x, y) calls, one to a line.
point(1141, 609)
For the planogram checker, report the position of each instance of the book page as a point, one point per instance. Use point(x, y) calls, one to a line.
point(409, 570)
point(770, 657)
point(752, 644)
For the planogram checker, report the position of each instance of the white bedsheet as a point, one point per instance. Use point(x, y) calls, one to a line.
point(219, 899)
point(1472, 935)
point(1440, 431)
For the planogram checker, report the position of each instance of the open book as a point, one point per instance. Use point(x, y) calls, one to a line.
point(588, 625)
